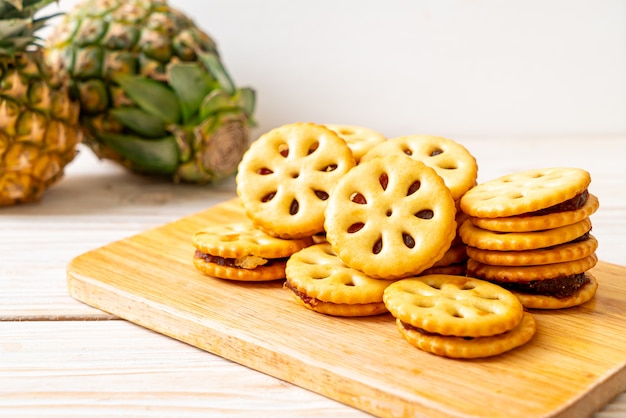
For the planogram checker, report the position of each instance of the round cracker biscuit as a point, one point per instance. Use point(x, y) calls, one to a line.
point(390, 217)
point(584, 294)
point(560, 253)
point(317, 272)
point(524, 192)
point(450, 160)
point(462, 347)
point(286, 176)
point(530, 273)
point(241, 239)
point(272, 271)
point(453, 305)
point(477, 237)
point(540, 222)
point(359, 139)
point(343, 309)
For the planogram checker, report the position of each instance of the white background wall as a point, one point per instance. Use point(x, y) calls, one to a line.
point(446, 67)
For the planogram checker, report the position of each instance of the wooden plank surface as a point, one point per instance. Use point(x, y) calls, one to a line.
point(115, 368)
point(575, 364)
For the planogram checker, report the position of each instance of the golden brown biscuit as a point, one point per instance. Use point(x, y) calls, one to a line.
point(450, 160)
point(286, 176)
point(238, 251)
point(323, 283)
point(359, 138)
point(584, 294)
point(525, 192)
point(539, 222)
point(453, 305)
point(477, 237)
point(568, 251)
point(530, 273)
point(464, 347)
point(390, 217)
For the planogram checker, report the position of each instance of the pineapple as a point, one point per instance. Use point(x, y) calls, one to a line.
point(155, 95)
point(39, 127)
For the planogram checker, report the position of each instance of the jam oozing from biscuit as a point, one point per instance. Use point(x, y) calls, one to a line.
point(422, 331)
point(574, 203)
point(560, 287)
point(229, 262)
point(311, 301)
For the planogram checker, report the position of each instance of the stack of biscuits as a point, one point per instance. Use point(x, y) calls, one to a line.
point(529, 232)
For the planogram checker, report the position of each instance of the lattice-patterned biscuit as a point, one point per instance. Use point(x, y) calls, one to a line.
point(238, 251)
point(452, 161)
point(323, 283)
point(390, 217)
point(286, 176)
point(582, 295)
point(539, 222)
point(453, 305)
point(463, 347)
point(560, 253)
point(524, 192)
point(477, 237)
point(530, 273)
point(360, 139)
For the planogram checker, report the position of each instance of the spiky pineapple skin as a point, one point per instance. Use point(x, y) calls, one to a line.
point(99, 39)
point(39, 128)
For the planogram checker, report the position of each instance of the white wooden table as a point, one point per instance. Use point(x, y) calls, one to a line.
point(59, 357)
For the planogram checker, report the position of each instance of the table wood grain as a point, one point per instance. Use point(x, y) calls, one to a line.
point(61, 357)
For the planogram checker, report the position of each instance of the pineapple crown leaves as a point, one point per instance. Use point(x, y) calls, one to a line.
point(19, 27)
point(196, 92)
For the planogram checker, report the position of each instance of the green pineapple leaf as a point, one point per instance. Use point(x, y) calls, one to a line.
point(214, 102)
point(219, 100)
point(191, 83)
point(215, 66)
point(140, 121)
point(151, 96)
point(158, 156)
point(247, 100)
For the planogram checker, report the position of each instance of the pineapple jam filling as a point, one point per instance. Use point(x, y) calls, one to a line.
point(410, 327)
point(311, 301)
point(574, 203)
point(560, 287)
point(246, 262)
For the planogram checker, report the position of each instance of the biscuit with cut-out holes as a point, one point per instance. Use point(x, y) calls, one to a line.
point(569, 251)
point(468, 348)
point(527, 192)
point(238, 251)
point(477, 237)
point(453, 305)
point(450, 160)
point(286, 176)
point(390, 217)
point(540, 222)
point(322, 282)
point(359, 138)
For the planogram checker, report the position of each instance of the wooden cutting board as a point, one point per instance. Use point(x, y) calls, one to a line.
point(573, 366)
